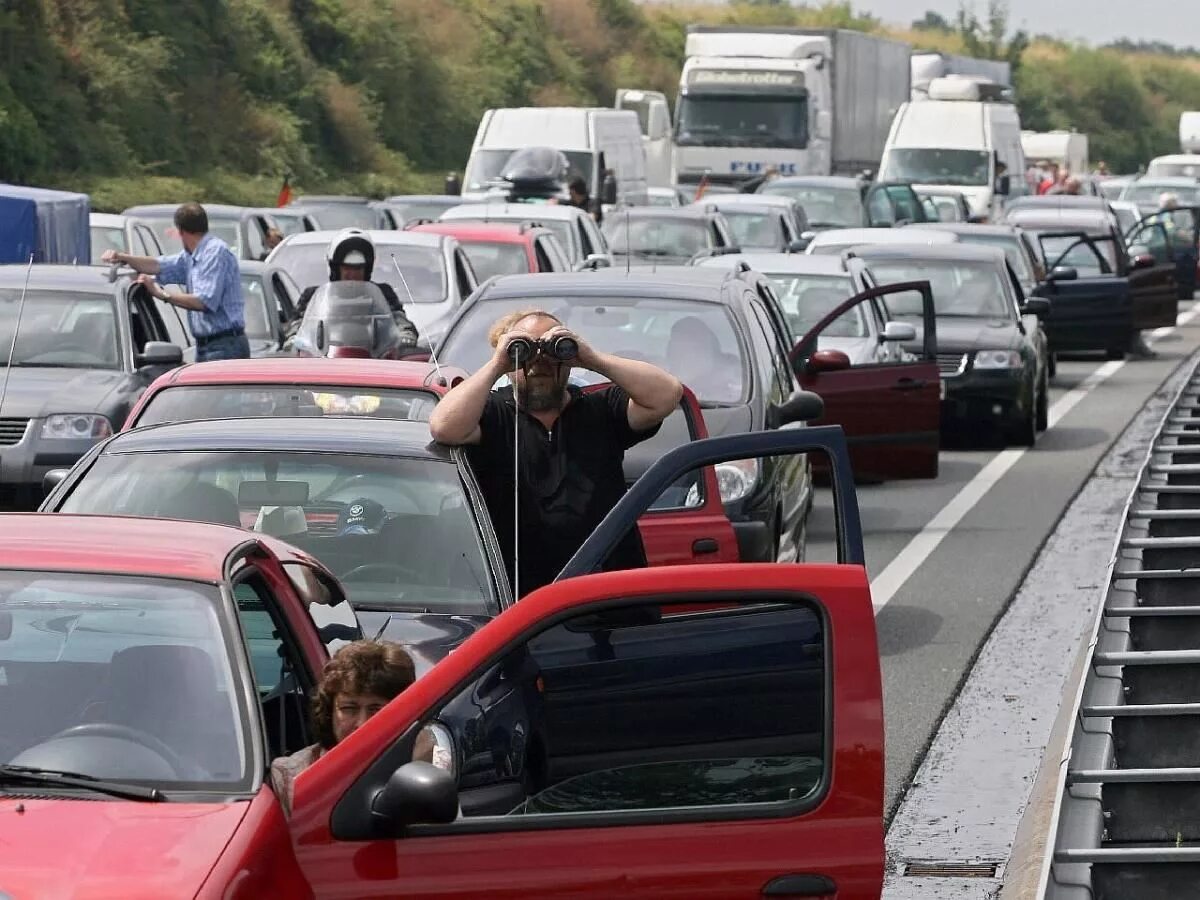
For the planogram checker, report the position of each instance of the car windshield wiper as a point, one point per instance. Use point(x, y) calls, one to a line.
point(78, 781)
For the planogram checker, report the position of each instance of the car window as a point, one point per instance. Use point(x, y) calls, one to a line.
point(825, 207)
point(906, 203)
point(381, 524)
point(543, 258)
point(163, 227)
point(780, 372)
point(136, 668)
point(1088, 258)
point(753, 229)
point(1011, 246)
point(256, 228)
point(59, 329)
point(200, 402)
point(258, 310)
point(104, 238)
point(658, 236)
point(424, 268)
point(960, 288)
point(585, 239)
point(490, 258)
point(697, 342)
point(806, 299)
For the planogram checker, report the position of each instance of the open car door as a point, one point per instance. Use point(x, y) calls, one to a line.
point(687, 523)
point(1090, 304)
point(890, 411)
point(732, 752)
point(1171, 238)
point(1150, 266)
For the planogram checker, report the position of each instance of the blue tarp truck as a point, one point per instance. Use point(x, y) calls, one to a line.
point(50, 225)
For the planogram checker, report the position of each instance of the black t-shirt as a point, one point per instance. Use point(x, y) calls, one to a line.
point(571, 476)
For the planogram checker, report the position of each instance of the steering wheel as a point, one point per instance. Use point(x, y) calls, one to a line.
point(181, 767)
point(363, 573)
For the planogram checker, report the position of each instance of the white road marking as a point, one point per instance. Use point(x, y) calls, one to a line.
point(887, 583)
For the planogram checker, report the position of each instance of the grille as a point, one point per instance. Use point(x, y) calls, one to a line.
point(12, 430)
point(951, 363)
point(951, 869)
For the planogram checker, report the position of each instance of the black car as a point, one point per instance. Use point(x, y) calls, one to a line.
point(664, 236)
point(720, 332)
point(1103, 286)
point(992, 352)
point(837, 201)
point(85, 349)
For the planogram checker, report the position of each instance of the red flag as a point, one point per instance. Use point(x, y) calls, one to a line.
point(285, 192)
point(703, 186)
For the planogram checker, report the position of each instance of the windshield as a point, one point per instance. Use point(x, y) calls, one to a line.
point(696, 342)
point(656, 236)
point(258, 312)
point(753, 229)
point(1149, 194)
point(228, 230)
point(485, 166)
point(104, 238)
point(1175, 169)
point(807, 299)
point(824, 207)
point(288, 222)
point(743, 120)
point(59, 330)
point(336, 216)
point(397, 532)
point(424, 268)
point(926, 165)
point(141, 663)
point(1080, 255)
point(960, 289)
point(193, 403)
point(1010, 244)
point(490, 258)
point(1111, 190)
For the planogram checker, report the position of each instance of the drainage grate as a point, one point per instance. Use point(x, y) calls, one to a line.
point(952, 869)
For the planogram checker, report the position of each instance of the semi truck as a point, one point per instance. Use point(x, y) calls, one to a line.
point(928, 66)
point(796, 100)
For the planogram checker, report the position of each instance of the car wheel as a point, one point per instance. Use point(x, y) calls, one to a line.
point(1043, 405)
point(1113, 353)
point(1052, 364)
point(1024, 432)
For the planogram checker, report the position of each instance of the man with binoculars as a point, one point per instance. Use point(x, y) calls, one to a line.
point(571, 444)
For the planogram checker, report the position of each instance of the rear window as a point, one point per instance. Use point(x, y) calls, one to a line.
point(960, 289)
point(490, 258)
point(807, 299)
point(194, 403)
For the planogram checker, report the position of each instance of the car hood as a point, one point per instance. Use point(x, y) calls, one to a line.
point(963, 335)
point(39, 392)
point(427, 637)
point(117, 848)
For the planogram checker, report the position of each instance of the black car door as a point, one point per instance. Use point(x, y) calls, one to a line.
point(1181, 228)
point(1090, 305)
point(1152, 272)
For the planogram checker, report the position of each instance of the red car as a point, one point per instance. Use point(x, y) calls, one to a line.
point(504, 248)
point(713, 732)
point(280, 386)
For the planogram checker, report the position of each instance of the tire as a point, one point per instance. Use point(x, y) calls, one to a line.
point(1114, 353)
point(1043, 405)
point(1052, 364)
point(1024, 433)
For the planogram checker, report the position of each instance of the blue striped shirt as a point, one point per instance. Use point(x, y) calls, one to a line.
point(211, 273)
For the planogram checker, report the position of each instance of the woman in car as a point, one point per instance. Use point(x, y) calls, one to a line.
point(359, 681)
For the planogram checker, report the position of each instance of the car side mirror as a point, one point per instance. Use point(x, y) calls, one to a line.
point(828, 361)
point(322, 338)
point(801, 244)
point(1003, 186)
point(802, 406)
point(417, 793)
point(53, 479)
point(598, 261)
point(1141, 261)
point(160, 353)
point(1063, 273)
point(608, 191)
point(899, 332)
point(1036, 306)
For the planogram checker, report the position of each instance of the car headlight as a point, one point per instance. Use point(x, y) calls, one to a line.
point(445, 756)
point(736, 479)
point(997, 359)
point(76, 427)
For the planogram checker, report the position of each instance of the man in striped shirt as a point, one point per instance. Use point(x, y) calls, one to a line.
point(209, 272)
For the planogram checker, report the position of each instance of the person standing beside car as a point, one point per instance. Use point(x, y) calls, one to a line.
point(208, 270)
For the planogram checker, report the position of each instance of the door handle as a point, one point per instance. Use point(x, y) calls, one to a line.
point(800, 886)
point(909, 384)
point(705, 545)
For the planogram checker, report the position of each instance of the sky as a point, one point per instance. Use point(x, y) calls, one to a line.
point(1095, 21)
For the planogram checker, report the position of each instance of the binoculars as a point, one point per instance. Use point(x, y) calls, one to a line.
point(561, 348)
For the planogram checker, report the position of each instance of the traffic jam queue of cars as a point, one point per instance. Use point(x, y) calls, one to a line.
point(709, 725)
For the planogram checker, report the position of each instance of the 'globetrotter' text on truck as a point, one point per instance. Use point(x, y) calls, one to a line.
point(801, 101)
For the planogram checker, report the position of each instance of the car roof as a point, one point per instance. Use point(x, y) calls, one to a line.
point(882, 236)
point(297, 370)
point(1058, 201)
point(212, 210)
point(691, 212)
point(447, 199)
point(377, 236)
point(1166, 181)
point(690, 282)
point(529, 212)
point(964, 252)
point(328, 198)
point(496, 232)
point(834, 181)
point(1034, 217)
point(779, 200)
point(53, 276)
point(967, 228)
point(781, 263)
point(332, 434)
point(125, 545)
point(107, 220)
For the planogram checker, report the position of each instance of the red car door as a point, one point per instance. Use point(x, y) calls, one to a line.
point(891, 411)
point(687, 524)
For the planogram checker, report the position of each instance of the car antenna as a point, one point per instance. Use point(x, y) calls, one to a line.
point(16, 330)
point(412, 302)
point(628, 248)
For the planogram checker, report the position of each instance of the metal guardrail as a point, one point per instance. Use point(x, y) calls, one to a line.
point(1126, 823)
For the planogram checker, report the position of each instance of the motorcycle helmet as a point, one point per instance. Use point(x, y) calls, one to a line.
point(350, 247)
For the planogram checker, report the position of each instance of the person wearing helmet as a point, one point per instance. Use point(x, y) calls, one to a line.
point(351, 257)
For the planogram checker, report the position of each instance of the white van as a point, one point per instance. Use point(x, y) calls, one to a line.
point(654, 118)
point(1067, 148)
point(593, 139)
point(955, 139)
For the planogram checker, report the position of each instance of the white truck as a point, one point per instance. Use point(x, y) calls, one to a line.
point(1069, 149)
point(801, 101)
point(654, 117)
point(926, 66)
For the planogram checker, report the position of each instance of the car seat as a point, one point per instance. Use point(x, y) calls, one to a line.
point(202, 502)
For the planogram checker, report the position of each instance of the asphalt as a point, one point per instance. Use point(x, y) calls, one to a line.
point(933, 627)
